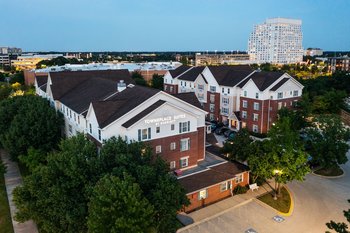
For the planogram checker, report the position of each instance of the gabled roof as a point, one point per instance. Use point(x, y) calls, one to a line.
point(121, 103)
point(230, 75)
point(191, 74)
point(190, 98)
point(279, 84)
point(41, 80)
point(214, 175)
point(63, 82)
point(263, 79)
point(143, 113)
point(179, 70)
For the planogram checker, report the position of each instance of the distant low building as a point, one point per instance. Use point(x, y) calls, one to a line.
point(313, 52)
point(147, 69)
point(339, 64)
point(10, 50)
point(4, 60)
point(29, 61)
point(221, 59)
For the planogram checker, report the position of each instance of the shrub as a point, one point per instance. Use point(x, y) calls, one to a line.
point(240, 189)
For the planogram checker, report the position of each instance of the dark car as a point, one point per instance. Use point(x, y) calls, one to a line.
point(215, 125)
point(226, 133)
point(231, 135)
point(221, 130)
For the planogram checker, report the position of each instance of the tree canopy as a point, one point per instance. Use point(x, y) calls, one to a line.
point(76, 183)
point(157, 81)
point(328, 139)
point(239, 147)
point(28, 121)
point(340, 227)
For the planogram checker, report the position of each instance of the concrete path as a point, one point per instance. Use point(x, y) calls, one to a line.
point(12, 180)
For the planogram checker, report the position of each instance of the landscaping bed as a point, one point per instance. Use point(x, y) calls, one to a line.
point(329, 171)
point(5, 216)
point(282, 204)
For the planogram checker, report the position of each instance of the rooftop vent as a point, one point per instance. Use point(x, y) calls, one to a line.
point(121, 86)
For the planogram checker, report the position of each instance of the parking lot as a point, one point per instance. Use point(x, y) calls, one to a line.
point(317, 201)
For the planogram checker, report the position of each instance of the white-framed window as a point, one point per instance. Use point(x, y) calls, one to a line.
point(224, 110)
point(172, 127)
point(70, 128)
point(256, 106)
point(279, 95)
point(211, 116)
point(201, 96)
point(212, 107)
point(225, 186)
point(203, 194)
point(257, 95)
point(212, 98)
point(171, 89)
point(279, 105)
point(255, 117)
point(144, 134)
point(255, 129)
point(165, 87)
point(245, 93)
point(295, 93)
point(239, 178)
point(184, 126)
point(200, 87)
point(184, 144)
point(158, 149)
point(245, 104)
point(244, 114)
point(184, 162)
point(172, 165)
point(158, 129)
point(90, 128)
point(228, 90)
point(75, 117)
point(222, 90)
point(173, 146)
point(70, 113)
point(225, 100)
point(78, 119)
point(99, 134)
point(212, 88)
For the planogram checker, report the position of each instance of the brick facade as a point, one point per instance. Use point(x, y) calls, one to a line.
point(195, 153)
point(267, 113)
point(214, 194)
point(216, 103)
point(171, 88)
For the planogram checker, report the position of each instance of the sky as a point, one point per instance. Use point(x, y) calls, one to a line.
point(164, 25)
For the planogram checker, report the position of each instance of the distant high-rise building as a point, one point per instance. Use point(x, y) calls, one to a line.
point(277, 41)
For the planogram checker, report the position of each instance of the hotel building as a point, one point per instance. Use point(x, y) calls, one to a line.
point(276, 41)
point(237, 95)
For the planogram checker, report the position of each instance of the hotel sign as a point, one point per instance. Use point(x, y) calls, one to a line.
point(165, 120)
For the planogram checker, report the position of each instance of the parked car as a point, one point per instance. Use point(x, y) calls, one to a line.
point(215, 125)
point(226, 133)
point(231, 135)
point(221, 130)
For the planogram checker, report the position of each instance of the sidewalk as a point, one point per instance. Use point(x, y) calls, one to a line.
point(12, 180)
point(227, 204)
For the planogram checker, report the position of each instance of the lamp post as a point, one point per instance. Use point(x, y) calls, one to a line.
point(276, 172)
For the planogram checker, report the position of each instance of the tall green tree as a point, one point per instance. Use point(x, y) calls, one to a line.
point(328, 139)
point(138, 78)
point(340, 227)
point(239, 147)
point(117, 205)
point(55, 195)
point(281, 157)
point(157, 81)
point(28, 121)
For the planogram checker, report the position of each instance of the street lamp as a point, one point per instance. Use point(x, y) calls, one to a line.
point(276, 172)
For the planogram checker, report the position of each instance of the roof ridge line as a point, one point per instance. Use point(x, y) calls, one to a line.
point(190, 68)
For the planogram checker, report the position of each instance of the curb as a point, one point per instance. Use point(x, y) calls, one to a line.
point(291, 208)
point(214, 216)
point(329, 177)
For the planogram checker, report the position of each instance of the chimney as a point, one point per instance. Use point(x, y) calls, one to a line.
point(121, 86)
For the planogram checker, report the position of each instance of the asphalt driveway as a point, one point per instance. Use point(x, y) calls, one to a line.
point(317, 200)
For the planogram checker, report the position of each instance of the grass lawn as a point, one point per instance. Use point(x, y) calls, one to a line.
point(329, 172)
point(282, 204)
point(5, 217)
